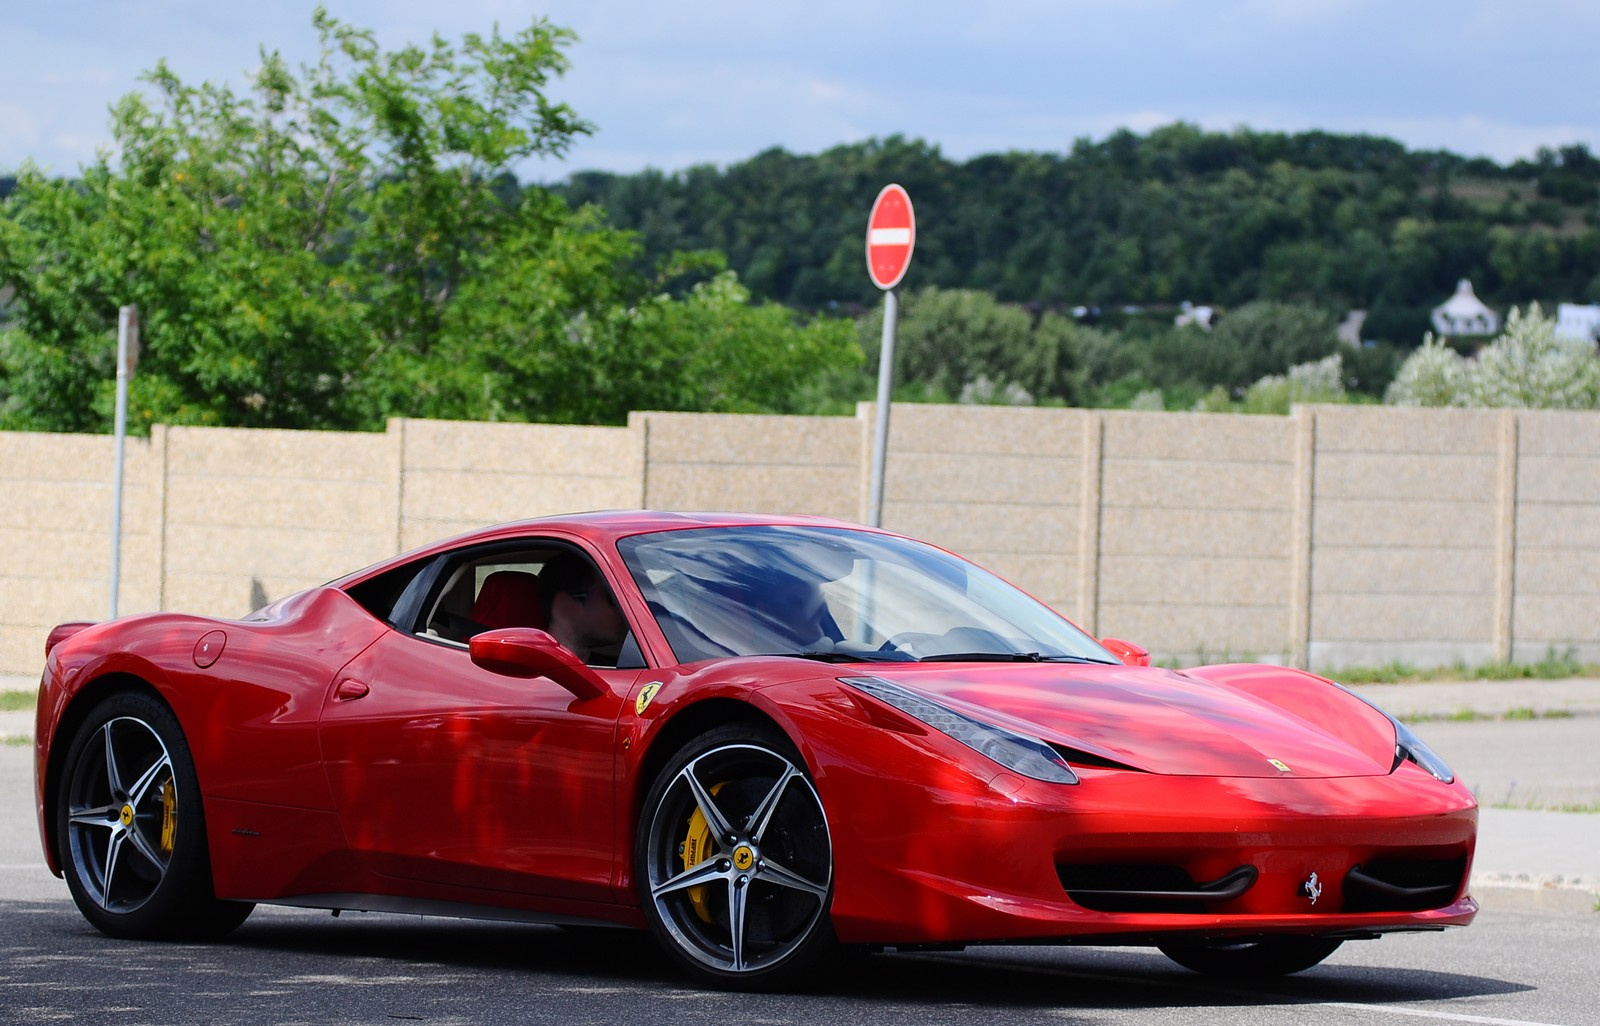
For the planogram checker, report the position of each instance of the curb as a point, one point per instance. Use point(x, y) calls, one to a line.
point(1523, 892)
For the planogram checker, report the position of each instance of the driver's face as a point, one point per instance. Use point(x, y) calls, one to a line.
point(598, 621)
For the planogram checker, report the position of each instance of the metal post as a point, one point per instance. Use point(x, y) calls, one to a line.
point(880, 441)
point(127, 350)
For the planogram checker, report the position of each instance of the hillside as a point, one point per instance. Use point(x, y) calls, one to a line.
point(1341, 221)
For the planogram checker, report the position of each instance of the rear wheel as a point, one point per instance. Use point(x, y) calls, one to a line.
point(735, 861)
point(1271, 956)
point(130, 829)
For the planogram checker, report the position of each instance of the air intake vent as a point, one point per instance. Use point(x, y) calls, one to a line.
point(1120, 887)
point(1403, 885)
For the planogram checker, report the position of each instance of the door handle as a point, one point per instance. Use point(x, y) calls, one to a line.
point(349, 690)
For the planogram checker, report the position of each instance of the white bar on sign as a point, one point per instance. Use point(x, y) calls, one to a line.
point(889, 237)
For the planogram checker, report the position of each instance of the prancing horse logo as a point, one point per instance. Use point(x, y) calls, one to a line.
point(1312, 888)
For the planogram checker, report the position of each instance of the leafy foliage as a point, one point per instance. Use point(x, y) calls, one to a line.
point(1320, 381)
point(1337, 221)
point(952, 343)
point(347, 243)
point(1527, 367)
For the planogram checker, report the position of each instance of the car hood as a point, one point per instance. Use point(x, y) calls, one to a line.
point(1270, 723)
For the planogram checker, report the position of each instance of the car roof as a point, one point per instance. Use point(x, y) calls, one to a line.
point(602, 527)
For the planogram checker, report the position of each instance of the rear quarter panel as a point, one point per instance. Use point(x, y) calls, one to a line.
point(249, 716)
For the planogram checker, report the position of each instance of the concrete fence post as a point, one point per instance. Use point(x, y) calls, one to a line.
point(1094, 436)
point(1300, 598)
point(1506, 540)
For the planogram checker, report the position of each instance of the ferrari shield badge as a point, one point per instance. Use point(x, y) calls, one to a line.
point(646, 696)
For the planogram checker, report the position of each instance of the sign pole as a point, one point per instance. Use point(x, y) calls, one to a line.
point(127, 353)
point(880, 436)
point(891, 236)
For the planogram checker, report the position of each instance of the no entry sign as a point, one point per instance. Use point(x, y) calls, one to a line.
point(891, 235)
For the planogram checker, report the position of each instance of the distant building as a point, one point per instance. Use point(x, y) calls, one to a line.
point(1350, 328)
point(1577, 321)
point(1464, 314)
point(1197, 315)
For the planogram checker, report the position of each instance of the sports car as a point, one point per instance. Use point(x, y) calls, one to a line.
point(770, 741)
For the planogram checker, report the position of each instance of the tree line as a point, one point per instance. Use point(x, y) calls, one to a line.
point(1339, 221)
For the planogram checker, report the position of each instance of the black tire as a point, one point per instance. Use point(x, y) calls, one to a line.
point(735, 863)
point(1271, 956)
point(130, 829)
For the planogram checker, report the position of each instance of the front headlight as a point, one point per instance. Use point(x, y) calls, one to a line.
point(1019, 753)
point(1408, 747)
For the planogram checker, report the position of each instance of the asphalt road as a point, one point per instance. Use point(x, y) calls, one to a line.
point(294, 967)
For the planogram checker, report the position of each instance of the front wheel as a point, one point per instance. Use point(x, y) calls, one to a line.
point(1271, 956)
point(130, 828)
point(735, 861)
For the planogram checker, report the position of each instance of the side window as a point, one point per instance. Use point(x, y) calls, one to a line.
point(554, 589)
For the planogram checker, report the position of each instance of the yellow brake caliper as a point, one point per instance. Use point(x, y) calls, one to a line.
point(169, 815)
point(696, 848)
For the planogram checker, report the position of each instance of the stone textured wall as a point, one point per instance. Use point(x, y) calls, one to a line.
point(256, 515)
point(1000, 485)
point(752, 464)
point(1336, 536)
point(1555, 535)
point(454, 476)
point(1196, 534)
point(1405, 535)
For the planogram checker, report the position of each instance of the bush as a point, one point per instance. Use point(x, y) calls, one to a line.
point(1526, 367)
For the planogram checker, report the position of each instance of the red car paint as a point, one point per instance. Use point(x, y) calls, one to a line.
point(346, 763)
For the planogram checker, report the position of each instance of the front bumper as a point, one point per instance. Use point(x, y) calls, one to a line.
point(959, 859)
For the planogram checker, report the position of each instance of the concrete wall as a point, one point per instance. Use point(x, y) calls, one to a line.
point(1337, 536)
point(1405, 535)
point(1196, 534)
point(1554, 535)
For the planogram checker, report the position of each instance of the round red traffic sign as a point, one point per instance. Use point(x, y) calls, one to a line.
point(891, 235)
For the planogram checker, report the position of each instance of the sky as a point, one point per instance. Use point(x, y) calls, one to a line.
point(669, 84)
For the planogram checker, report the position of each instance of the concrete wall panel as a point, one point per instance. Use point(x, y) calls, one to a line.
point(1352, 535)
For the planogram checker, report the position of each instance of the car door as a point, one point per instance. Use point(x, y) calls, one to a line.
point(449, 774)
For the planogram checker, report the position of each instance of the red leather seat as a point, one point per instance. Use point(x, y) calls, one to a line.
point(509, 598)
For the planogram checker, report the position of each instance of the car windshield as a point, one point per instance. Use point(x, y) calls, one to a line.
point(840, 595)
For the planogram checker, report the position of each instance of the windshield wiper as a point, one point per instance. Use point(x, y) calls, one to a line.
point(1009, 657)
point(833, 655)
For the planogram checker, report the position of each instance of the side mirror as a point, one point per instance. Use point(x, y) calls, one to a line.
point(526, 652)
point(1127, 651)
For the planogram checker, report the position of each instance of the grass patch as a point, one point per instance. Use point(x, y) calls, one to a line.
point(1581, 808)
point(1476, 716)
point(1534, 803)
point(17, 701)
point(1554, 666)
point(17, 742)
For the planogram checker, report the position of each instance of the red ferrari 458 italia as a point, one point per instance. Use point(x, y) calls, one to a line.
point(767, 740)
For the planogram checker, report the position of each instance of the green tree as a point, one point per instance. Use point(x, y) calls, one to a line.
point(1527, 366)
point(339, 245)
point(1434, 375)
point(950, 339)
point(714, 350)
point(1269, 338)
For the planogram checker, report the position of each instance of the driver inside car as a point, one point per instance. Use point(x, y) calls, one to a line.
point(581, 611)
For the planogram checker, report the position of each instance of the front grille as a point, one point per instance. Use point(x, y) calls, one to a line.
point(1403, 885)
